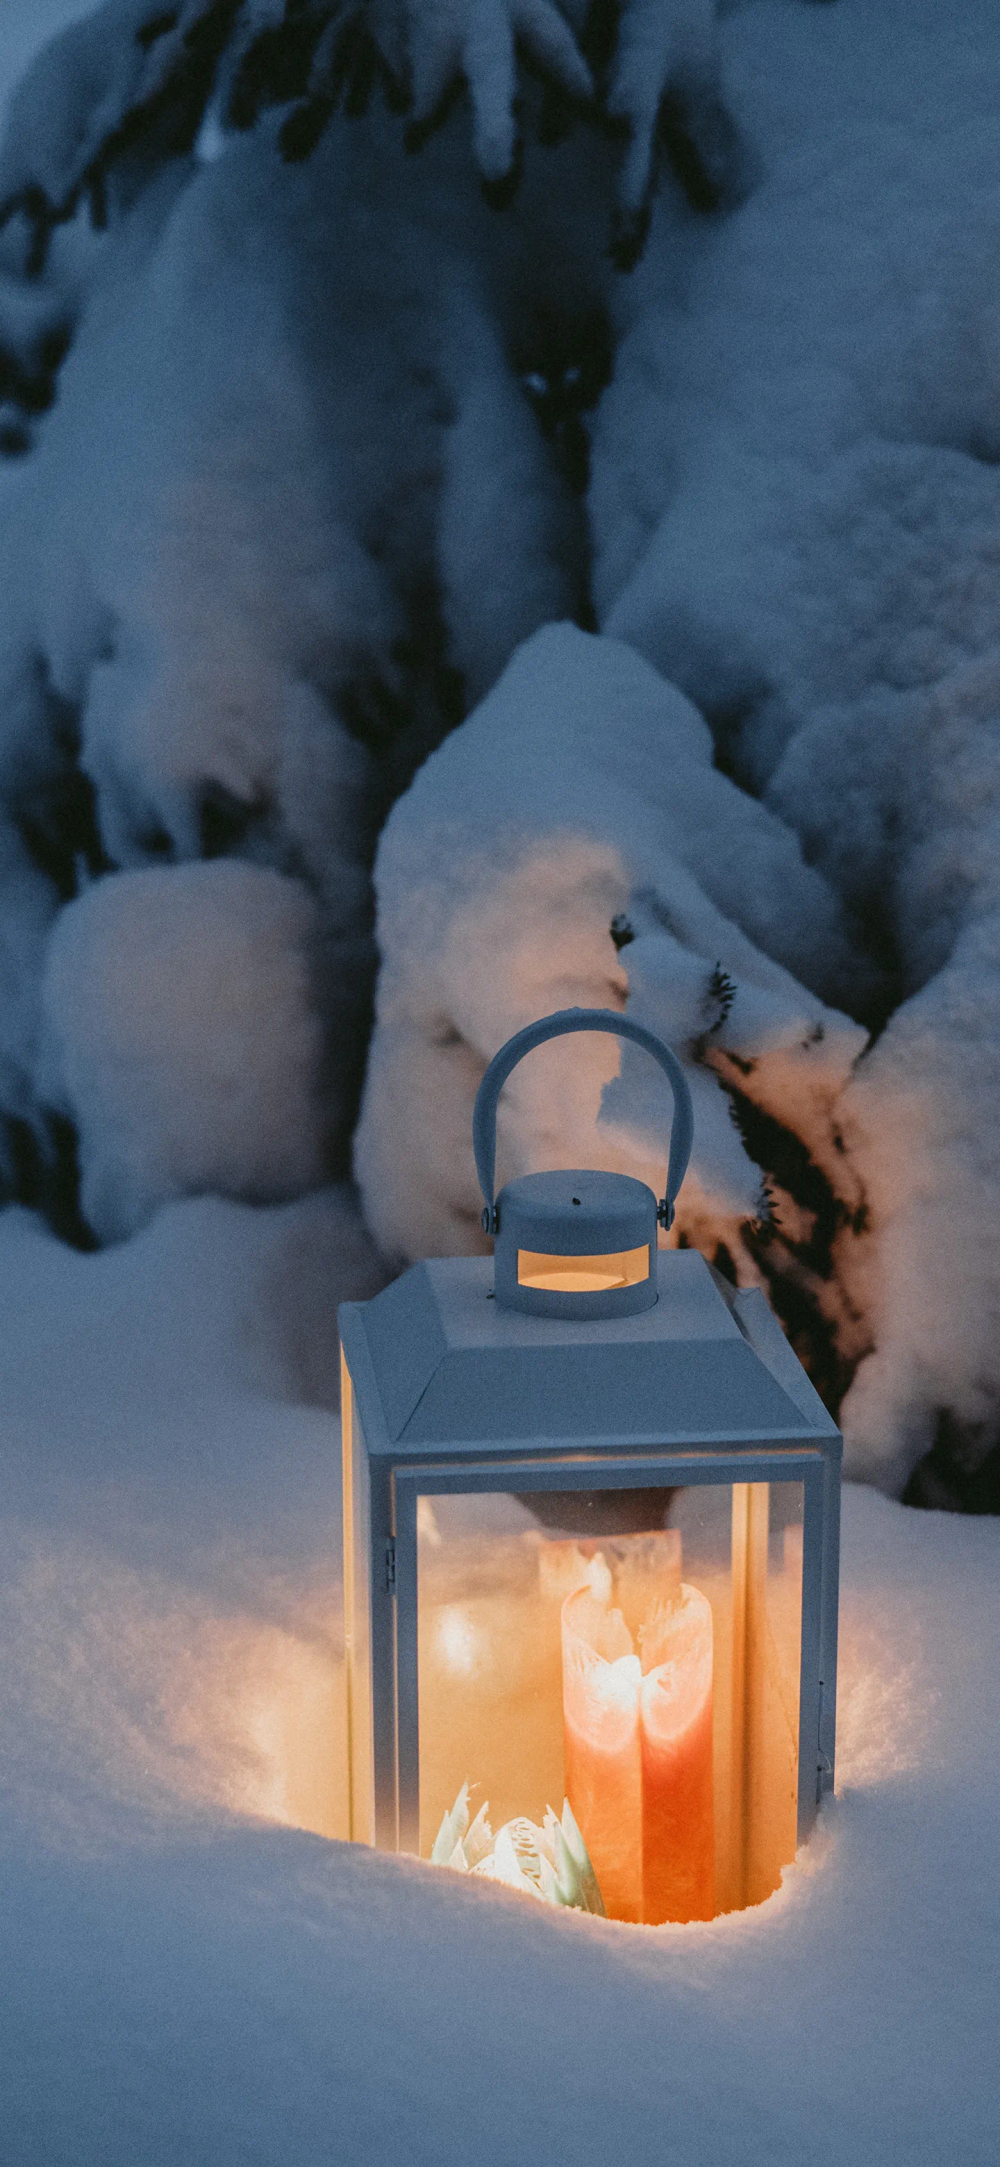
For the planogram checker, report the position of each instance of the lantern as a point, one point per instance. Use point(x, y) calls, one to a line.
point(591, 1512)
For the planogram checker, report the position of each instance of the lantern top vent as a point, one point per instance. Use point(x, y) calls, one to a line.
point(576, 1201)
point(577, 1242)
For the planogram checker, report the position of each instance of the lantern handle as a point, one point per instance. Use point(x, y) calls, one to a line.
point(484, 1118)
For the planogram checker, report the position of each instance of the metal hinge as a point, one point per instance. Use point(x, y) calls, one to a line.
point(824, 1765)
point(390, 1565)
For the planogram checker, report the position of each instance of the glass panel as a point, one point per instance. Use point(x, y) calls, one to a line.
point(647, 1672)
point(574, 1275)
point(774, 1634)
point(357, 1616)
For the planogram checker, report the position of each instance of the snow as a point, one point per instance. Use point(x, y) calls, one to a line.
point(214, 554)
point(182, 1036)
point(32, 312)
point(171, 1484)
point(84, 88)
point(193, 1972)
point(581, 791)
point(27, 26)
point(231, 558)
point(795, 511)
point(214, 521)
point(794, 520)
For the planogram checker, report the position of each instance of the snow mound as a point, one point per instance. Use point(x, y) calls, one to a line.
point(183, 1040)
point(571, 844)
point(195, 1971)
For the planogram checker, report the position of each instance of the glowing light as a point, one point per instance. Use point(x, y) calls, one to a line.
point(459, 1644)
point(577, 1275)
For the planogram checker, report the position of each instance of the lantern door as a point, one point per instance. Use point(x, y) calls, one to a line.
point(641, 1650)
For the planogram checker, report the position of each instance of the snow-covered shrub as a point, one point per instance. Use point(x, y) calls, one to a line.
point(130, 86)
point(75, 94)
point(183, 1036)
point(45, 270)
point(572, 844)
point(291, 511)
point(796, 512)
point(36, 323)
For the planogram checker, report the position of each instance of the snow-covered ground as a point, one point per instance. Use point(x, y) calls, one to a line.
point(194, 1972)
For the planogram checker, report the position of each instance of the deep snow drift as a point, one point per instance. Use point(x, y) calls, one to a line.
point(188, 1977)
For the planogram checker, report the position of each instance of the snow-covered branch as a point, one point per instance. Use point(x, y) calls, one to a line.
point(129, 87)
point(245, 581)
point(796, 511)
point(570, 845)
point(310, 482)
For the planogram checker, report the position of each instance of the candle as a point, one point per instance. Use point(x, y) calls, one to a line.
point(602, 1677)
point(638, 1742)
point(678, 1834)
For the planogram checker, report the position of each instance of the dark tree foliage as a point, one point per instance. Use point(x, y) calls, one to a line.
point(318, 58)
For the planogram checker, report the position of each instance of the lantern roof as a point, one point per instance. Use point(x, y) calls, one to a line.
point(438, 1365)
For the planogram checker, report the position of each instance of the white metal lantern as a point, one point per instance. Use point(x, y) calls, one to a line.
point(591, 1515)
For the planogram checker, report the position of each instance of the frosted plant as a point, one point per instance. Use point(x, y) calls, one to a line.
point(37, 319)
point(115, 95)
point(135, 89)
point(664, 88)
point(250, 576)
point(570, 844)
point(796, 513)
point(551, 1862)
point(184, 1028)
point(358, 471)
point(74, 95)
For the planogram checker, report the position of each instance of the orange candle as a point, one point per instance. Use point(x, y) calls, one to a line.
point(678, 1835)
point(638, 1739)
point(602, 1677)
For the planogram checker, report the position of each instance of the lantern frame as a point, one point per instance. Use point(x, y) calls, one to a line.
point(385, 1473)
